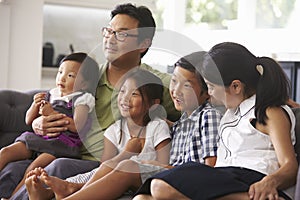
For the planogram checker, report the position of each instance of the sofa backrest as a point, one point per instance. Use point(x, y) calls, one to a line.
point(297, 131)
point(13, 106)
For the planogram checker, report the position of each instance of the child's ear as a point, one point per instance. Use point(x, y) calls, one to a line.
point(236, 86)
point(155, 103)
point(203, 97)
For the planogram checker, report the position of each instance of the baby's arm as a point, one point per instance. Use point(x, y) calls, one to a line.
point(82, 106)
point(79, 118)
point(33, 111)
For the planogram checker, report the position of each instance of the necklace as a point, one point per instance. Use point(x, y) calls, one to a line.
point(140, 131)
point(121, 132)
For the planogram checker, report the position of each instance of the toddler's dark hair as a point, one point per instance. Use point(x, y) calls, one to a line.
point(89, 69)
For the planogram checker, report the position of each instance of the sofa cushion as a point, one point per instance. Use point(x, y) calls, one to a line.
point(13, 106)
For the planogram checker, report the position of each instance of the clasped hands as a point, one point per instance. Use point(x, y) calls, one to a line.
point(135, 145)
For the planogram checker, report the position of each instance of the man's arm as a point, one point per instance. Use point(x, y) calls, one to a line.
point(50, 125)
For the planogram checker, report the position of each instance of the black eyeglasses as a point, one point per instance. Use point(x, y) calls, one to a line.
point(119, 35)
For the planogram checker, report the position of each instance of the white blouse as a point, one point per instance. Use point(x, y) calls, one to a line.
point(157, 131)
point(241, 145)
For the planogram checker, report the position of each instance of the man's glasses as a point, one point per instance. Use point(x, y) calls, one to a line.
point(119, 35)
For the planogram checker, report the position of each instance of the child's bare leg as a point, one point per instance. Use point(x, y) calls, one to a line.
point(241, 196)
point(13, 152)
point(143, 197)
point(103, 169)
point(162, 190)
point(35, 188)
point(114, 184)
point(41, 161)
point(59, 187)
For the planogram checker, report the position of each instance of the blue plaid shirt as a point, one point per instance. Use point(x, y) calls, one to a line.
point(195, 137)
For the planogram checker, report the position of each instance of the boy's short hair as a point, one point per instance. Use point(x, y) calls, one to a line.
point(193, 63)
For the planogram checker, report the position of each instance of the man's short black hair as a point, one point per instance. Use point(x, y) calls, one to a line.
point(144, 16)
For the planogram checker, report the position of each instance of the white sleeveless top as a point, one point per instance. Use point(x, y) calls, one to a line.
point(241, 145)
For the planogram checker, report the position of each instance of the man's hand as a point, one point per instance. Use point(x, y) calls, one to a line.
point(51, 125)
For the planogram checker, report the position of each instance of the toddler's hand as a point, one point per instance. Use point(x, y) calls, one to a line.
point(38, 98)
point(45, 108)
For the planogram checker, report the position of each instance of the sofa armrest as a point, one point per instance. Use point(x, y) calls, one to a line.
point(13, 106)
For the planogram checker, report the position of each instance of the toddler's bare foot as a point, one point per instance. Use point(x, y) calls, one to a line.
point(61, 188)
point(35, 189)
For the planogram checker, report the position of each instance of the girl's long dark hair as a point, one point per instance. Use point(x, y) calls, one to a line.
point(262, 76)
point(151, 88)
point(273, 87)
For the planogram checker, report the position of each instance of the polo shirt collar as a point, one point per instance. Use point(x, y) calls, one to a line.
point(103, 77)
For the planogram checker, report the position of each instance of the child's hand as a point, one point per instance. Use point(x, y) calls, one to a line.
point(170, 123)
point(38, 98)
point(46, 108)
point(263, 189)
point(134, 145)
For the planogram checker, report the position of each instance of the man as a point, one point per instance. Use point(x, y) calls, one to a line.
point(125, 41)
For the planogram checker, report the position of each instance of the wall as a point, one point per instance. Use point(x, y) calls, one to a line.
point(79, 26)
point(4, 41)
point(22, 36)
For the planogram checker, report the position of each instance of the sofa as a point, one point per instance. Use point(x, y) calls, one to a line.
point(13, 105)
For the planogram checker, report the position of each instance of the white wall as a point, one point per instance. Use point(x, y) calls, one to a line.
point(79, 26)
point(4, 41)
point(22, 36)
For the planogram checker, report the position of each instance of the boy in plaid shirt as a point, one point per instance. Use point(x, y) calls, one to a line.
point(195, 134)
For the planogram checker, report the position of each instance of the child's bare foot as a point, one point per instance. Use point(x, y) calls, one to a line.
point(60, 188)
point(35, 188)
